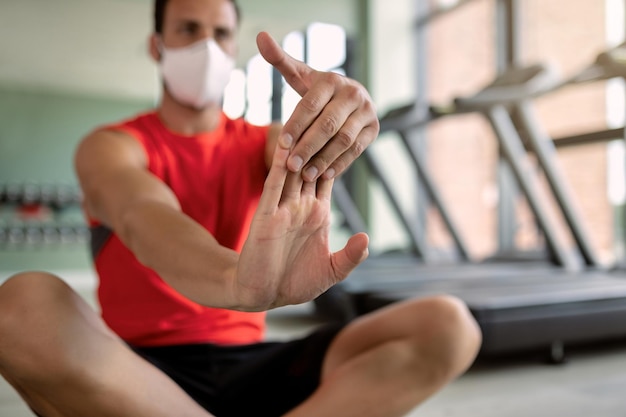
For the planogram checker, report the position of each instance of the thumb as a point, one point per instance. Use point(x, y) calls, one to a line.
point(345, 260)
point(296, 73)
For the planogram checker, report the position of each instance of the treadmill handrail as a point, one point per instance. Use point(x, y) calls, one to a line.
point(512, 86)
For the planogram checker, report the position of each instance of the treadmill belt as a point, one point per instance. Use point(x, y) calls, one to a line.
point(518, 307)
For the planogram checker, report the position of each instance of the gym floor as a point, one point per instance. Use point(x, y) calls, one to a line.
point(591, 383)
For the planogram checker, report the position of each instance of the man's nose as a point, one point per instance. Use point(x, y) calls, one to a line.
point(206, 34)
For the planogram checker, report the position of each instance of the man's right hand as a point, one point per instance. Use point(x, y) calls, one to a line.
point(287, 258)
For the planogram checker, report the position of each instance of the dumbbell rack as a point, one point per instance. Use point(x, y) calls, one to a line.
point(38, 215)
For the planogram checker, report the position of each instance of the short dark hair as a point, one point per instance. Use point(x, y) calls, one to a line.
point(159, 14)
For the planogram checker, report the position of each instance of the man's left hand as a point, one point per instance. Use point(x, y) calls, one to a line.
point(333, 123)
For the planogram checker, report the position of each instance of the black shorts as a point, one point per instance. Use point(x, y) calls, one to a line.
point(267, 379)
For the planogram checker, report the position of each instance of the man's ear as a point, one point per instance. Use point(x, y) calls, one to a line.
point(154, 47)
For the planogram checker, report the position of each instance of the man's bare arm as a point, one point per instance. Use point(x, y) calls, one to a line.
point(121, 193)
point(285, 260)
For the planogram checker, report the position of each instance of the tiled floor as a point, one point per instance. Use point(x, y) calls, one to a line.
point(591, 384)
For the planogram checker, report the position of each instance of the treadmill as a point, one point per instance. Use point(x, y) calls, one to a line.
point(519, 305)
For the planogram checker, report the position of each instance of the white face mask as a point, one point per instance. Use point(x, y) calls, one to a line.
point(196, 75)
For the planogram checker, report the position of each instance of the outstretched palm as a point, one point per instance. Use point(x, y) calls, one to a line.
point(287, 259)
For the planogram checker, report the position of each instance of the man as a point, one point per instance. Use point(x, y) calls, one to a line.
point(200, 224)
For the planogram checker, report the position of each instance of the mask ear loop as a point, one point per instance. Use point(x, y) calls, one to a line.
point(160, 45)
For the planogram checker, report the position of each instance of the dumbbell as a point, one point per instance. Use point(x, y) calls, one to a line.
point(31, 194)
point(12, 193)
point(63, 196)
point(82, 233)
point(15, 234)
point(50, 234)
point(46, 194)
point(33, 235)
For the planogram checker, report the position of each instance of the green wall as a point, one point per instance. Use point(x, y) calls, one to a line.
point(39, 131)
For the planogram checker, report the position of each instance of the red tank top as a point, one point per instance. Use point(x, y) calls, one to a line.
point(218, 178)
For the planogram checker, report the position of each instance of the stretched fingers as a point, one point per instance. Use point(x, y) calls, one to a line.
point(357, 133)
point(275, 181)
point(335, 121)
point(323, 189)
point(292, 189)
point(314, 121)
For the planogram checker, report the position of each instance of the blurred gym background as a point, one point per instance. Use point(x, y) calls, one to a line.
point(439, 187)
point(69, 66)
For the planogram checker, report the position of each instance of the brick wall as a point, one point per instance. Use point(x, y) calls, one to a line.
point(463, 150)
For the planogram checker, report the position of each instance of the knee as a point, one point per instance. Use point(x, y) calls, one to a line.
point(450, 338)
point(25, 296)
point(27, 302)
point(451, 318)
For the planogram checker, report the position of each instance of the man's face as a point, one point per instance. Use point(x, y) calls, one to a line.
point(189, 21)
